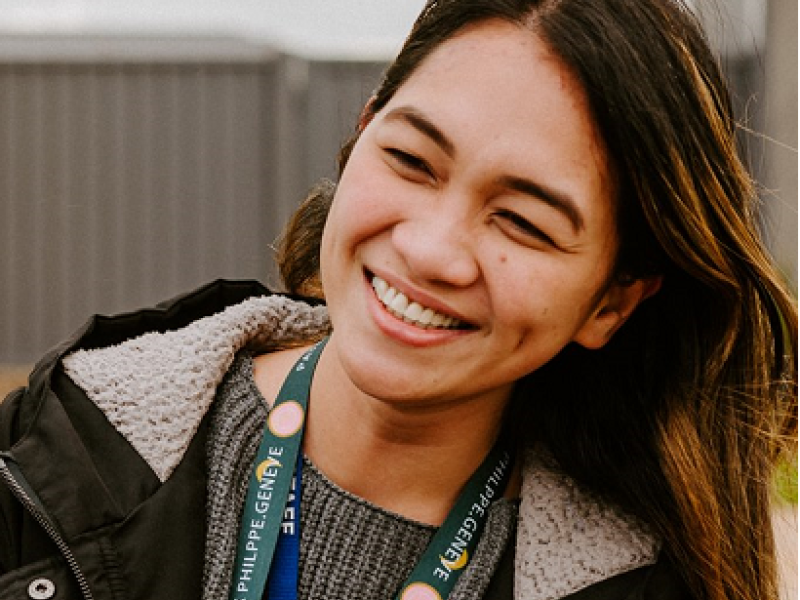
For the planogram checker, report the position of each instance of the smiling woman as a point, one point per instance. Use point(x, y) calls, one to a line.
point(547, 355)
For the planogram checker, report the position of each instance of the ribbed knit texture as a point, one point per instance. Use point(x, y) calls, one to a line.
point(237, 421)
point(349, 548)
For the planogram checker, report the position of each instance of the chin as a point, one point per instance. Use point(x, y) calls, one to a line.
point(383, 378)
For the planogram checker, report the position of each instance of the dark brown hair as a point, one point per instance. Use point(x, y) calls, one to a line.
point(682, 417)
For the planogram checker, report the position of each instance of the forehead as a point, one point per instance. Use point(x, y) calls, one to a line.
point(502, 64)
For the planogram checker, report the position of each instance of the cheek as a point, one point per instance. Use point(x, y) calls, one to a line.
point(365, 196)
point(548, 298)
point(350, 216)
point(357, 224)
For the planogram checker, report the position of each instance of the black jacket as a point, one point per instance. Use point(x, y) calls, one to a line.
point(110, 525)
point(83, 515)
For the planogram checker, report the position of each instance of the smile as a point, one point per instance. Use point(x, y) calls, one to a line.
point(414, 313)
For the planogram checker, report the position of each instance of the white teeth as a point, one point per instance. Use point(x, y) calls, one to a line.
point(426, 317)
point(399, 303)
point(412, 312)
point(380, 286)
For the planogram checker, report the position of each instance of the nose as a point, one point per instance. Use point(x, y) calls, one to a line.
point(438, 246)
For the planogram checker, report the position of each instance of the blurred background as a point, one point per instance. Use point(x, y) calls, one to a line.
point(147, 147)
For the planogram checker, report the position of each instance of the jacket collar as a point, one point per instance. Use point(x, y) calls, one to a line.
point(156, 388)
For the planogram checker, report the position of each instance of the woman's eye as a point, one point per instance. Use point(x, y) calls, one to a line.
point(524, 226)
point(408, 161)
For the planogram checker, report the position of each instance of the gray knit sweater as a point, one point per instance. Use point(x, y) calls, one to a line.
point(349, 548)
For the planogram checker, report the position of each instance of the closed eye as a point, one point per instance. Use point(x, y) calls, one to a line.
point(524, 226)
point(404, 160)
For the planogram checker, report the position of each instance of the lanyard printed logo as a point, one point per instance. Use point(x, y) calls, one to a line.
point(286, 419)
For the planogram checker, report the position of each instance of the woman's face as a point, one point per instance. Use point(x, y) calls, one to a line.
point(477, 204)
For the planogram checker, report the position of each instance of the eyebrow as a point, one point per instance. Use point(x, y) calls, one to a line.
point(553, 198)
point(558, 200)
point(425, 126)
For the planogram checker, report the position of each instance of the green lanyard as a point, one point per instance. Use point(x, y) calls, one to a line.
point(454, 544)
point(271, 480)
point(449, 551)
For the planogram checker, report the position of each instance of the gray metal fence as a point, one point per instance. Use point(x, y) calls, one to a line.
point(135, 169)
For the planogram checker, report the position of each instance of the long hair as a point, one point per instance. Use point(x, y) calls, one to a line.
point(682, 417)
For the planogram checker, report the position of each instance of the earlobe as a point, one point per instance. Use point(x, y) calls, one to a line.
point(613, 311)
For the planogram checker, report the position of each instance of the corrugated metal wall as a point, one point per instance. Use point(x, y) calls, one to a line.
point(132, 171)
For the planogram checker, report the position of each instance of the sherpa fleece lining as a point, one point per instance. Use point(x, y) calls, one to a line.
point(155, 390)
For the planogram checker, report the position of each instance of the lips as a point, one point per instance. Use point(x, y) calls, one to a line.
point(411, 312)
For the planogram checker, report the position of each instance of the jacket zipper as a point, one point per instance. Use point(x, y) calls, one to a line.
point(41, 517)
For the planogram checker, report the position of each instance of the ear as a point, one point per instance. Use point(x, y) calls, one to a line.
point(616, 305)
point(367, 113)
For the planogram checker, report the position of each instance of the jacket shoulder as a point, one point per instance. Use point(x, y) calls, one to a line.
point(659, 581)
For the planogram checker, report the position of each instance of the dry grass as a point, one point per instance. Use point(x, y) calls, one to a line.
point(11, 377)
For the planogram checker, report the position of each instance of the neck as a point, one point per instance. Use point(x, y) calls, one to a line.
point(408, 457)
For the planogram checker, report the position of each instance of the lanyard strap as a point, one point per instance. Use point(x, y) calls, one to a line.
point(435, 574)
point(454, 544)
point(268, 489)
